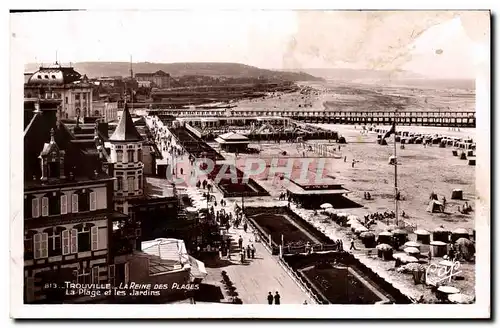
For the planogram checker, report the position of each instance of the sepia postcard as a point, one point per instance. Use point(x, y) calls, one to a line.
point(250, 164)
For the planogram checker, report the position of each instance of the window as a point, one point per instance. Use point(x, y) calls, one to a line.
point(95, 275)
point(94, 238)
point(119, 183)
point(54, 169)
point(84, 277)
point(74, 203)
point(65, 242)
point(83, 200)
point(35, 207)
point(28, 247)
point(139, 182)
point(111, 274)
point(130, 156)
point(54, 243)
point(64, 204)
point(84, 239)
point(54, 202)
point(93, 201)
point(41, 245)
point(119, 156)
point(66, 100)
point(139, 155)
point(45, 206)
point(131, 183)
point(126, 273)
point(27, 206)
point(30, 289)
point(73, 242)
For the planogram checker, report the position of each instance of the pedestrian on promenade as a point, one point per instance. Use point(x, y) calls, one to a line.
point(245, 227)
point(270, 298)
point(352, 245)
point(253, 251)
point(345, 158)
point(242, 256)
point(277, 298)
point(249, 250)
point(240, 242)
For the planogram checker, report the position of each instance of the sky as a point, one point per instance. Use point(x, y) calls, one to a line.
point(427, 43)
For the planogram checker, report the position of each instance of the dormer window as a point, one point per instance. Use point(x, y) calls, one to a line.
point(46, 76)
point(39, 76)
point(52, 160)
point(54, 77)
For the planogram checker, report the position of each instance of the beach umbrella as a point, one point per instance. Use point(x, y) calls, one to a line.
point(399, 232)
point(330, 210)
point(399, 256)
point(422, 232)
point(326, 205)
point(441, 229)
point(412, 244)
point(460, 298)
point(360, 229)
point(392, 227)
point(412, 267)
point(353, 217)
point(448, 290)
point(342, 214)
point(464, 242)
point(411, 250)
point(385, 233)
point(384, 247)
point(460, 231)
point(408, 259)
point(191, 209)
point(367, 234)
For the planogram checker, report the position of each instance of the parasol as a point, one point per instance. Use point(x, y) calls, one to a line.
point(399, 232)
point(459, 298)
point(191, 209)
point(408, 259)
point(385, 233)
point(399, 255)
point(412, 244)
point(460, 231)
point(438, 243)
point(411, 250)
point(384, 247)
point(448, 290)
point(367, 234)
point(360, 229)
point(326, 205)
point(422, 232)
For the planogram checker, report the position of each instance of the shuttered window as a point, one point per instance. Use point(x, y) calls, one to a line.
point(73, 241)
point(111, 274)
point(131, 184)
point(64, 204)
point(45, 206)
point(93, 201)
point(74, 203)
point(95, 275)
point(37, 240)
point(126, 273)
point(136, 187)
point(35, 207)
point(44, 245)
point(65, 242)
point(94, 238)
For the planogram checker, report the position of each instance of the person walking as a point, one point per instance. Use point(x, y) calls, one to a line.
point(240, 242)
point(245, 227)
point(249, 250)
point(277, 298)
point(270, 298)
point(252, 248)
point(352, 245)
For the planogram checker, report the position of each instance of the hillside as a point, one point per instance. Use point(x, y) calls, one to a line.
point(99, 69)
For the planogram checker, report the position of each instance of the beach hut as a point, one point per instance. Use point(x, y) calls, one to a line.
point(398, 138)
point(368, 239)
point(442, 144)
point(382, 142)
point(435, 207)
point(438, 248)
point(454, 152)
point(404, 141)
point(385, 237)
point(457, 194)
point(470, 153)
point(411, 140)
point(472, 162)
point(441, 234)
point(423, 236)
point(400, 236)
point(467, 248)
point(463, 156)
point(419, 140)
point(459, 233)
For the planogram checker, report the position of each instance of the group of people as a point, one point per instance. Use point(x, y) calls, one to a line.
point(282, 196)
point(367, 195)
point(247, 252)
point(466, 208)
point(205, 185)
point(276, 298)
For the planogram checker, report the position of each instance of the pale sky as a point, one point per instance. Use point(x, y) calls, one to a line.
point(430, 44)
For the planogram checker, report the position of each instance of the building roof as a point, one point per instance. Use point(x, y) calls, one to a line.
point(54, 75)
point(233, 136)
point(126, 131)
point(157, 73)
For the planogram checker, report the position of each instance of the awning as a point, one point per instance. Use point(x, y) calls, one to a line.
point(198, 270)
